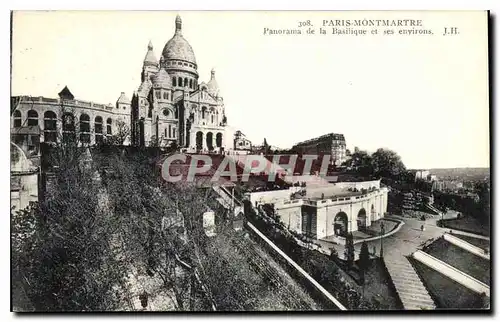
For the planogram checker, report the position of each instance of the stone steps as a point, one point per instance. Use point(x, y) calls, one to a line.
point(409, 287)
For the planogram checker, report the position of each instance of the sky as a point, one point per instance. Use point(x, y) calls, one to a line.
point(425, 97)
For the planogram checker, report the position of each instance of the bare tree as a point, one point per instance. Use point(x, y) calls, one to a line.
point(121, 134)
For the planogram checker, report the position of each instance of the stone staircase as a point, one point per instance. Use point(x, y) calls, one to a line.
point(410, 288)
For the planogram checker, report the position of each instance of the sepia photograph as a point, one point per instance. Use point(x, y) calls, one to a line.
point(250, 161)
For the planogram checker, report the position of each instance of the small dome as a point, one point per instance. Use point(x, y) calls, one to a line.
point(212, 86)
point(162, 79)
point(123, 99)
point(178, 48)
point(150, 58)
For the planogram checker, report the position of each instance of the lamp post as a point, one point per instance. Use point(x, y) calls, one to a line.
point(381, 239)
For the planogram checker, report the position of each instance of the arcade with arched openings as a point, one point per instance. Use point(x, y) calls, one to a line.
point(340, 224)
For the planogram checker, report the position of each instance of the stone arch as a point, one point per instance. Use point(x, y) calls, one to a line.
point(17, 118)
point(49, 126)
point(98, 129)
point(340, 224)
point(32, 118)
point(218, 140)
point(109, 129)
point(84, 128)
point(361, 218)
point(68, 127)
point(199, 140)
point(210, 141)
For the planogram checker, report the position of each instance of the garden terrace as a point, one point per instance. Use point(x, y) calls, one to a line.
point(446, 293)
point(461, 259)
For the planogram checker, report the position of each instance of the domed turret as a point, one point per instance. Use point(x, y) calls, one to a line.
point(212, 86)
point(162, 79)
point(123, 99)
point(150, 59)
point(178, 48)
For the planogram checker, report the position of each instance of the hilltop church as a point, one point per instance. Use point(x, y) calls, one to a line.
point(171, 106)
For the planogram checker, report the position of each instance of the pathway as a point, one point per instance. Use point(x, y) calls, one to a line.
point(409, 287)
point(397, 247)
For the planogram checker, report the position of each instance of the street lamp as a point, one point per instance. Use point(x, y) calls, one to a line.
point(381, 239)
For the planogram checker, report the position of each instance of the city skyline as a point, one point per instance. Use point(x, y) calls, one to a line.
point(276, 87)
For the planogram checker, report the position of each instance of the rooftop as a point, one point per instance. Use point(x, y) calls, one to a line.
point(332, 136)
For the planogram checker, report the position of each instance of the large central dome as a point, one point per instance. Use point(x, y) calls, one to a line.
point(178, 48)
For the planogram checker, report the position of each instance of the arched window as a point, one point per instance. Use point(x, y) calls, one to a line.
point(158, 94)
point(180, 81)
point(185, 82)
point(174, 81)
point(50, 126)
point(85, 128)
point(108, 126)
point(203, 110)
point(98, 129)
point(68, 126)
point(212, 118)
point(17, 119)
point(218, 140)
point(164, 95)
point(173, 132)
point(191, 83)
point(32, 118)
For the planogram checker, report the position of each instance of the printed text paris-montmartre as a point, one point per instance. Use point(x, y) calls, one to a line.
point(372, 23)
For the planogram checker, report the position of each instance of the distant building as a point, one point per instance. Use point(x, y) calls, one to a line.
point(330, 144)
point(447, 185)
point(241, 142)
point(421, 174)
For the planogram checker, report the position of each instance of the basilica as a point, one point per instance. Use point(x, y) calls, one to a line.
point(172, 107)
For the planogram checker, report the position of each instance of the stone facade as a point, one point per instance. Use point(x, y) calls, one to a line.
point(55, 118)
point(333, 216)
